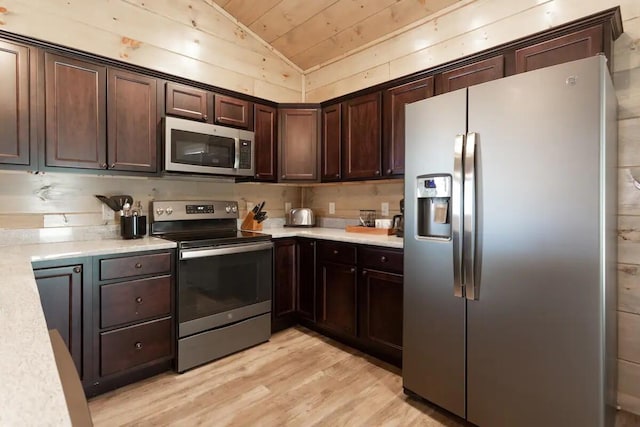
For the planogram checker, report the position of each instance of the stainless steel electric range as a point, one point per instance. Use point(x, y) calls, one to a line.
point(224, 279)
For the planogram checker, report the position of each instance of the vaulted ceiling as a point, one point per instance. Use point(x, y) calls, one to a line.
point(313, 32)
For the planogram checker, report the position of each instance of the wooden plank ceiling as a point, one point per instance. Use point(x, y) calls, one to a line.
point(312, 32)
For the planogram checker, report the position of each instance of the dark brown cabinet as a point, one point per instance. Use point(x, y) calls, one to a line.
point(361, 137)
point(15, 119)
point(469, 75)
point(284, 284)
point(75, 113)
point(336, 300)
point(570, 47)
point(265, 128)
point(331, 143)
point(394, 101)
point(233, 112)
point(60, 290)
point(187, 102)
point(298, 138)
point(306, 290)
point(132, 121)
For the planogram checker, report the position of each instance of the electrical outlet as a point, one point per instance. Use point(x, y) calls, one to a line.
point(287, 207)
point(384, 209)
point(107, 213)
point(332, 208)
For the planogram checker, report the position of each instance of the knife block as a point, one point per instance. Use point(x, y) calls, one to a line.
point(250, 224)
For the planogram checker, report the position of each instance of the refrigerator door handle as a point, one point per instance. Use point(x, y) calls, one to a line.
point(469, 235)
point(456, 213)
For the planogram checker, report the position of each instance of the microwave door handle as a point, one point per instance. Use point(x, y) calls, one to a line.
point(236, 163)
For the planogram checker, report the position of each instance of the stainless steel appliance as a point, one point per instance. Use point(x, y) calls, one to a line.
point(301, 217)
point(197, 147)
point(224, 279)
point(510, 249)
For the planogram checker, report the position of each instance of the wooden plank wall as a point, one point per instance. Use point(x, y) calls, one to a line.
point(67, 200)
point(191, 39)
point(472, 26)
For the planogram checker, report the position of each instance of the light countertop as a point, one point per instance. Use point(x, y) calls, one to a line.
point(30, 388)
point(337, 235)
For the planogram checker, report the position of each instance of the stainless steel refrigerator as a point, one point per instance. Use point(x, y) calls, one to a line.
point(510, 250)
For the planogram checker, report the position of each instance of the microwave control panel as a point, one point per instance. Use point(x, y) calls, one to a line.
point(245, 154)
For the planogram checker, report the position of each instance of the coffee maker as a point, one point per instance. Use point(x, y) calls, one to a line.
point(398, 221)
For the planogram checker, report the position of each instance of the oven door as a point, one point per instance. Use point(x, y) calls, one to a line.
point(223, 285)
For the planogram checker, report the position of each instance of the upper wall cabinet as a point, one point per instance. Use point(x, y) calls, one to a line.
point(394, 101)
point(469, 75)
point(187, 102)
point(233, 112)
point(361, 137)
point(78, 96)
point(570, 47)
point(15, 139)
point(331, 143)
point(298, 137)
point(265, 124)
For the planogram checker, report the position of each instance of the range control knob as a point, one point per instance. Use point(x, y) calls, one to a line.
point(169, 210)
point(159, 211)
point(234, 209)
point(227, 209)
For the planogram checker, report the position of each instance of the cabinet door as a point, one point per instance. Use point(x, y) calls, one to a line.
point(306, 279)
point(570, 47)
point(336, 300)
point(265, 142)
point(187, 102)
point(284, 284)
point(331, 143)
point(60, 290)
point(15, 142)
point(233, 112)
point(381, 311)
point(298, 144)
point(472, 74)
point(75, 113)
point(361, 130)
point(394, 101)
point(132, 122)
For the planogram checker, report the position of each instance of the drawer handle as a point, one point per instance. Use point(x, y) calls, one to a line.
point(384, 259)
point(138, 265)
point(139, 300)
point(138, 345)
point(335, 252)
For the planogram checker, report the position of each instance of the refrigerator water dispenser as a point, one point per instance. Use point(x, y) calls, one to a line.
point(433, 193)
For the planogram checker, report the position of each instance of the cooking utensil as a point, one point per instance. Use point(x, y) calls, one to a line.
point(260, 206)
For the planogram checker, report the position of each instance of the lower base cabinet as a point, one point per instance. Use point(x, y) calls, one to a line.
point(353, 293)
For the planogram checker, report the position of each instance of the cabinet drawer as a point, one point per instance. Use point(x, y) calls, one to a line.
point(381, 259)
point(128, 347)
point(135, 301)
point(337, 252)
point(117, 268)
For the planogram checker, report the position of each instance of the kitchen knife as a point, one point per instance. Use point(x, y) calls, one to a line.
point(260, 206)
point(262, 218)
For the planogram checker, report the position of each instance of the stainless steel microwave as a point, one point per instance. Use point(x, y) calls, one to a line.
point(196, 147)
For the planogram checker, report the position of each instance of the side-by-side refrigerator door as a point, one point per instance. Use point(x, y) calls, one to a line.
point(534, 327)
point(434, 308)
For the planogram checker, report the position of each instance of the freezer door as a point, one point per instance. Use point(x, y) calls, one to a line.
point(434, 318)
point(534, 336)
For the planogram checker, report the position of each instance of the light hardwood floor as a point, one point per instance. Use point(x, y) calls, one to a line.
point(299, 378)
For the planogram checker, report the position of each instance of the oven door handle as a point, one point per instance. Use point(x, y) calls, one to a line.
point(226, 250)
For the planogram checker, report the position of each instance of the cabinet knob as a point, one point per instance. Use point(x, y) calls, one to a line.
point(335, 252)
point(384, 259)
point(377, 173)
point(139, 300)
point(364, 273)
point(353, 270)
point(113, 166)
point(284, 176)
point(138, 345)
point(77, 269)
point(103, 165)
point(138, 265)
point(205, 117)
point(311, 244)
point(337, 175)
point(389, 171)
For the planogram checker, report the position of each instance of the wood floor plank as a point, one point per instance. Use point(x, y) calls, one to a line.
point(298, 378)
